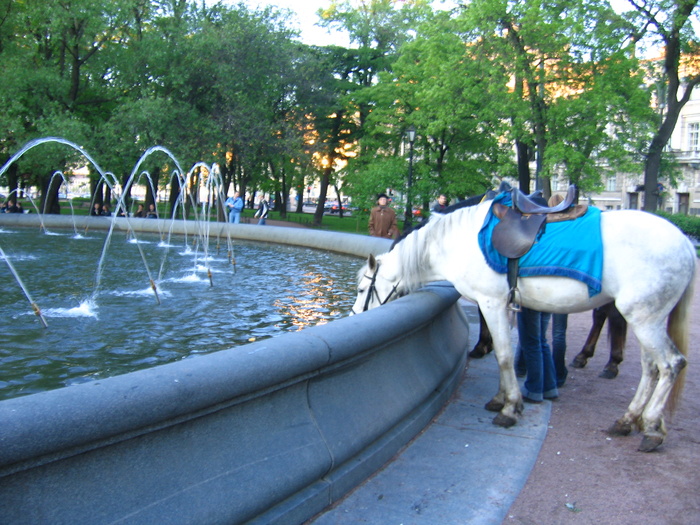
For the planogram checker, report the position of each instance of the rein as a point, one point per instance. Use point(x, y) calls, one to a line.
point(372, 291)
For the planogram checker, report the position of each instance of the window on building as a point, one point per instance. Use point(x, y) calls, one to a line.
point(611, 183)
point(694, 136)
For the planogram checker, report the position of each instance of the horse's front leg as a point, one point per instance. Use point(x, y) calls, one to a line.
point(508, 400)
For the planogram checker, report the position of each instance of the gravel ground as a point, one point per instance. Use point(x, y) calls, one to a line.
point(584, 476)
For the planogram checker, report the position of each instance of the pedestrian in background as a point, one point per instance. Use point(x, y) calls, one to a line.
point(441, 205)
point(263, 210)
point(235, 204)
point(382, 219)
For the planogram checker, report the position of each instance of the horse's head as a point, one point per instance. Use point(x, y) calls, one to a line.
point(376, 284)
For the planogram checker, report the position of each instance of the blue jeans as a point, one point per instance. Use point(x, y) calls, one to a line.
point(559, 322)
point(261, 221)
point(234, 216)
point(540, 382)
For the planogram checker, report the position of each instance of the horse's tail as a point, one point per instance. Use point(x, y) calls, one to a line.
point(679, 332)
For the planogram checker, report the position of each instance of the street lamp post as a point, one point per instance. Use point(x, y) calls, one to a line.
point(408, 218)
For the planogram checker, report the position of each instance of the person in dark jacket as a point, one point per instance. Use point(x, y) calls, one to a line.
point(263, 210)
point(382, 219)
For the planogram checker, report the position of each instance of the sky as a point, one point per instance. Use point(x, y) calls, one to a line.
point(311, 34)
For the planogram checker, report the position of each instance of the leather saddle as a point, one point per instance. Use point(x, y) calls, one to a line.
point(522, 223)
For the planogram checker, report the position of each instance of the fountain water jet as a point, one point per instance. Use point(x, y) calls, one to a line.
point(34, 306)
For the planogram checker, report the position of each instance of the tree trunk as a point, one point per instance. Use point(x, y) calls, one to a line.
point(340, 201)
point(50, 203)
point(95, 195)
point(108, 195)
point(325, 182)
point(152, 188)
point(13, 179)
point(523, 153)
point(126, 195)
point(174, 196)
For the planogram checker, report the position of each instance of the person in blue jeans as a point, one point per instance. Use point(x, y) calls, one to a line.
point(541, 379)
point(235, 205)
point(559, 326)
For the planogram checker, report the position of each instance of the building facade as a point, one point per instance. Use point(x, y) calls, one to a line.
point(626, 190)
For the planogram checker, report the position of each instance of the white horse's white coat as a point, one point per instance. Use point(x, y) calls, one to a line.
point(648, 271)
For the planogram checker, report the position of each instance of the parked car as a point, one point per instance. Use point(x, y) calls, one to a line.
point(334, 207)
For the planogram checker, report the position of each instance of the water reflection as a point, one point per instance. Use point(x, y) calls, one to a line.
point(318, 301)
point(275, 289)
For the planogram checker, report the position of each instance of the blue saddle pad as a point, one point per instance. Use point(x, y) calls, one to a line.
point(571, 249)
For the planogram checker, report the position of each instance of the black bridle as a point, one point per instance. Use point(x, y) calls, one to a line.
point(372, 291)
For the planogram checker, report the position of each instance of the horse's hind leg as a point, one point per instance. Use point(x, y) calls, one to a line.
point(660, 360)
point(485, 344)
point(617, 331)
point(599, 317)
point(631, 420)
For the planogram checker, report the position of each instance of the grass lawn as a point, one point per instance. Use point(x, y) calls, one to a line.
point(353, 224)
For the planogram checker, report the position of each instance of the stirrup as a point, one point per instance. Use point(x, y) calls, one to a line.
point(514, 300)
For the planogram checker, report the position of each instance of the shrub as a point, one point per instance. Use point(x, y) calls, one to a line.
point(688, 224)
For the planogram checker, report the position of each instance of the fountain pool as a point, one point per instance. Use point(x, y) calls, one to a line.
point(120, 327)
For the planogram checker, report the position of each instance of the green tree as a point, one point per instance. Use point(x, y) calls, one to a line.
point(452, 99)
point(377, 28)
point(61, 56)
point(669, 25)
point(557, 55)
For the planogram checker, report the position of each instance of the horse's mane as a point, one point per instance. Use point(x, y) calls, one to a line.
point(413, 256)
point(465, 203)
point(412, 251)
point(468, 202)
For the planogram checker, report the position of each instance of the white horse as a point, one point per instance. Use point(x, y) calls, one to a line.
point(648, 271)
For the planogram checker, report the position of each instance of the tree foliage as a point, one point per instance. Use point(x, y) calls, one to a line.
point(490, 86)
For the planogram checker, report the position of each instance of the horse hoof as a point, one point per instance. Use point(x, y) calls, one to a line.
point(494, 406)
point(578, 363)
point(620, 429)
point(608, 374)
point(479, 351)
point(504, 421)
point(650, 443)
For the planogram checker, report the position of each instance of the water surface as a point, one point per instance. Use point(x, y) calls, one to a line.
point(120, 327)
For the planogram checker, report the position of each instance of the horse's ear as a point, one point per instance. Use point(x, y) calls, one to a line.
point(372, 263)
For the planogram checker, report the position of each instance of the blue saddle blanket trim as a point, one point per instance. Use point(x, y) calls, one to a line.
point(571, 249)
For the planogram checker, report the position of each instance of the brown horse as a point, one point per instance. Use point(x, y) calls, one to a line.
point(617, 335)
